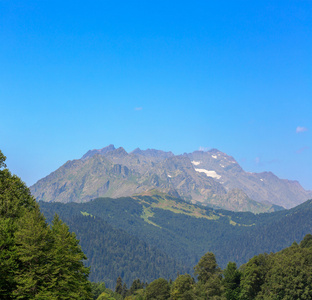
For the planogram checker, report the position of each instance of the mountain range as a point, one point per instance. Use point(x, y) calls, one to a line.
point(210, 178)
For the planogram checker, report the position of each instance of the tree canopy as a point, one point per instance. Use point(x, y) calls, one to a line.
point(36, 261)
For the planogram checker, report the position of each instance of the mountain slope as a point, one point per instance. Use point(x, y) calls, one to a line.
point(181, 232)
point(113, 252)
point(211, 178)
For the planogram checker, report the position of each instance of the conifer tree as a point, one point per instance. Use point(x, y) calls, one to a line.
point(118, 288)
point(67, 264)
point(15, 198)
point(231, 281)
point(33, 241)
point(124, 290)
point(36, 262)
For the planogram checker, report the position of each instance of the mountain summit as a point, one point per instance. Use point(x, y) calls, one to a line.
point(207, 177)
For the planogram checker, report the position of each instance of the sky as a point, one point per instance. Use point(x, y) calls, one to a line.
point(178, 76)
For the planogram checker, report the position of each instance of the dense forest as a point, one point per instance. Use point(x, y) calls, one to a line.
point(43, 260)
point(284, 275)
point(172, 240)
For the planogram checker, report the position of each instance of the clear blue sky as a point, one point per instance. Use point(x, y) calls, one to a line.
point(170, 75)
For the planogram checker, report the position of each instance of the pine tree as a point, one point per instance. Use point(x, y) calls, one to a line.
point(68, 269)
point(33, 240)
point(124, 290)
point(15, 199)
point(118, 288)
point(231, 281)
point(36, 262)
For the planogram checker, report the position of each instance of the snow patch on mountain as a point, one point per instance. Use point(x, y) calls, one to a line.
point(212, 174)
point(195, 163)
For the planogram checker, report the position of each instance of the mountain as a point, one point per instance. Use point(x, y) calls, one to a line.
point(152, 234)
point(211, 178)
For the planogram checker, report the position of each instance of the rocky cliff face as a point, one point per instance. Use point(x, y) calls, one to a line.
point(210, 178)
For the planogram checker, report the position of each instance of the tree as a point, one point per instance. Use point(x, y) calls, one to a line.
point(105, 296)
point(136, 285)
point(209, 277)
point(2, 160)
point(158, 289)
point(253, 276)
point(181, 287)
point(206, 267)
point(118, 288)
point(15, 199)
point(36, 260)
point(97, 288)
point(290, 274)
point(67, 263)
point(231, 281)
point(33, 241)
point(124, 290)
point(307, 241)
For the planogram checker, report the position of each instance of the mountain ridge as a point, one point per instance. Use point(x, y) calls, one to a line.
point(207, 177)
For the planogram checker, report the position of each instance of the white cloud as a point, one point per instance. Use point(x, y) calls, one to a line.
point(138, 108)
point(300, 129)
point(203, 149)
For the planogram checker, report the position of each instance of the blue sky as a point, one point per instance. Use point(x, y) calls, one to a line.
point(172, 75)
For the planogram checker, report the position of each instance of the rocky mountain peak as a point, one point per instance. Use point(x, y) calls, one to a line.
point(102, 151)
point(152, 153)
point(117, 153)
point(208, 177)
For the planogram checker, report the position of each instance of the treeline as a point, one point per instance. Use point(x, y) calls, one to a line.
point(37, 261)
point(284, 275)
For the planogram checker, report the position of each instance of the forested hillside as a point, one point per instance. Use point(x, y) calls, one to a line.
point(179, 231)
point(283, 275)
point(113, 252)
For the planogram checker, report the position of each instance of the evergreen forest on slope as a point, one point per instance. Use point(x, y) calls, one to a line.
point(173, 233)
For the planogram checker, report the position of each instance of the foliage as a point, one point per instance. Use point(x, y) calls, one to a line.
point(253, 276)
point(306, 242)
point(36, 261)
point(231, 281)
point(136, 285)
point(284, 275)
point(97, 288)
point(158, 289)
point(68, 265)
point(206, 267)
point(290, 275)
point(182, 286)
point(118, 288)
